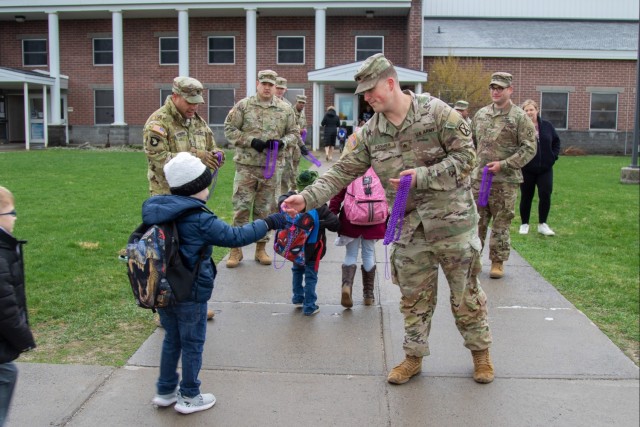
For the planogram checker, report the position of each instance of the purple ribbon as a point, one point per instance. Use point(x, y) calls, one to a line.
point(485, 187)
point(303, 135)
point(272, 160)
point(312, 159)
point(397, 212)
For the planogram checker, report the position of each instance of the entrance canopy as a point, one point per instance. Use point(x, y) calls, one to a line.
point(341, 76)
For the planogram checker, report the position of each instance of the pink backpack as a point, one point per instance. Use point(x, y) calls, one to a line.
point(365, 202)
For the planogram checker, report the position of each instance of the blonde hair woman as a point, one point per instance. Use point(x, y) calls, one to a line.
point(539, 171)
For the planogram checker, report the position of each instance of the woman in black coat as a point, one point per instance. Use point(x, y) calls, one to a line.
point(331, 123)
point(539, 171)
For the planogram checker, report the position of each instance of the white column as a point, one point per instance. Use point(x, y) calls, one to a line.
point(118, 68)
point(318, 89)
point(183, 42)
point(251, 71)
point(54, 68)
point(45, 116)
point(418, 88)
point(27, 115)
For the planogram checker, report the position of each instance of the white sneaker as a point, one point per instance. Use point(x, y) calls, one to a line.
point(165, 399)
point(545, 230)
point(189, 405)
point(524, 229)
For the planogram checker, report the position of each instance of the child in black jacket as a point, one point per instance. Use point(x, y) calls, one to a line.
point(305, 296)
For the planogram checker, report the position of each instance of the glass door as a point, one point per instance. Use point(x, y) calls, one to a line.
point(347, 106)
point(36, 119)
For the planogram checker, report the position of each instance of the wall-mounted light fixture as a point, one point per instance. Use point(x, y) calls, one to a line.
point(369, 14)
point(20, 18)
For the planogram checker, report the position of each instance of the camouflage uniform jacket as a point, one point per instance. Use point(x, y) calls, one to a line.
point(301, 121)
point(508, 136)
point(167, 133)
point(434, 140)
point(250, 119)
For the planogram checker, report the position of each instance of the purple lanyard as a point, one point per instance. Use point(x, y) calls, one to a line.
point(485, 187)
point(397, 218)
point(272, 160)
point(312, 159)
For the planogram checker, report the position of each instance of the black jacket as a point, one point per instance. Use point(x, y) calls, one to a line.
point(328, 221)
point(548, 148)
point(15, 335)
point(331, 123)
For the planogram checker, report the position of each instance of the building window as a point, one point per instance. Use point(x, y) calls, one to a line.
point(291, 94)
point(367, 46)
point(290, 50)
point(222, 50)
point(554, 107)
point(164, 93)
point(104, 107)
point(220, 102)
point(604, 111)
point(34, 52)
point(102, 51)
point(168, 50)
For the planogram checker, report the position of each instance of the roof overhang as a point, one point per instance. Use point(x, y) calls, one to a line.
point(530, 53)
point(342, 75)
point(11, 78)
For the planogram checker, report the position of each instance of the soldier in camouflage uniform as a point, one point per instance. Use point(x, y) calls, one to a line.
point(253, 125)
point(287, 175)
point(176, 127)
point(505, 139)
point(301, 149)
point(421, 136)
point(462, 107)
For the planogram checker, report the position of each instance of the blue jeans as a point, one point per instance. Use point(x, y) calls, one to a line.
point(307, 293)
point(8, 377)
point(368, 254)
point(185, 329)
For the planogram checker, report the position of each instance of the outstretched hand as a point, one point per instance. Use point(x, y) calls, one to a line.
point(293, 205)
point(395, 182)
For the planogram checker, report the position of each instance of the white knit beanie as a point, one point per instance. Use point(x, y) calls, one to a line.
point(186, 175)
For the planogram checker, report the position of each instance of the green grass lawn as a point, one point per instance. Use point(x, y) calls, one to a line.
point(77, 208)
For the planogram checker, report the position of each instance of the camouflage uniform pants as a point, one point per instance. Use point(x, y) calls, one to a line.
point(288, 181)
point(415, 271)
point(254, 197)
point(501, 207)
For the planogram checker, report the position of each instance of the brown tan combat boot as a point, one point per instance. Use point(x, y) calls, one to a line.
point(482, 366)
point(497, 270)
point(261, 255)
point(348, 273)
point(368, 278)
point(235, 256)
point(410, 366)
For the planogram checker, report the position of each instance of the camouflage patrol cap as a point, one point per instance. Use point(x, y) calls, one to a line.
point(461, 105)
point(188, 88)
point(369, 72)
point(501, 79)
point(301, 98)
point(281, 82)
point(267, 76)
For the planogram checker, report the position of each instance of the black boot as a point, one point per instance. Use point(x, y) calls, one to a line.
point(348, 273)
point(368, 278)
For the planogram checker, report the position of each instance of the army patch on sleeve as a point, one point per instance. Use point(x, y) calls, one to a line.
point(154, 141)
point(464, 129)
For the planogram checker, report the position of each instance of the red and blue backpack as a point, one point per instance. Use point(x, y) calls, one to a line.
point(293, 242)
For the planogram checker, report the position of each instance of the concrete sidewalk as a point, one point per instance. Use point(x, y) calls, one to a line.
point(269, 365)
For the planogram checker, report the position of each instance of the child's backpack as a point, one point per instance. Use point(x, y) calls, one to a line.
point(365, 202)
point(291, 242)
point(155, 268)
point(342, 135)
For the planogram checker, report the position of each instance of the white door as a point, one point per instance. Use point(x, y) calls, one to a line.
point(347, 106)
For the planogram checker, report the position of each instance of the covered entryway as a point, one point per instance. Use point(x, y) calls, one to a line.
point(348, 105)
point(25, 107)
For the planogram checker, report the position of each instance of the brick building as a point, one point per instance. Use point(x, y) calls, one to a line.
point(94, 72)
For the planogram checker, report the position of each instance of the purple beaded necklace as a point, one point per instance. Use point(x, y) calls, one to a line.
point(394, 226)
point(214, 174)
point(272, 160)
point(485, 187)
point(312, 159)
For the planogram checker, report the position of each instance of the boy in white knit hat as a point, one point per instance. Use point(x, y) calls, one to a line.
point(185, 323)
